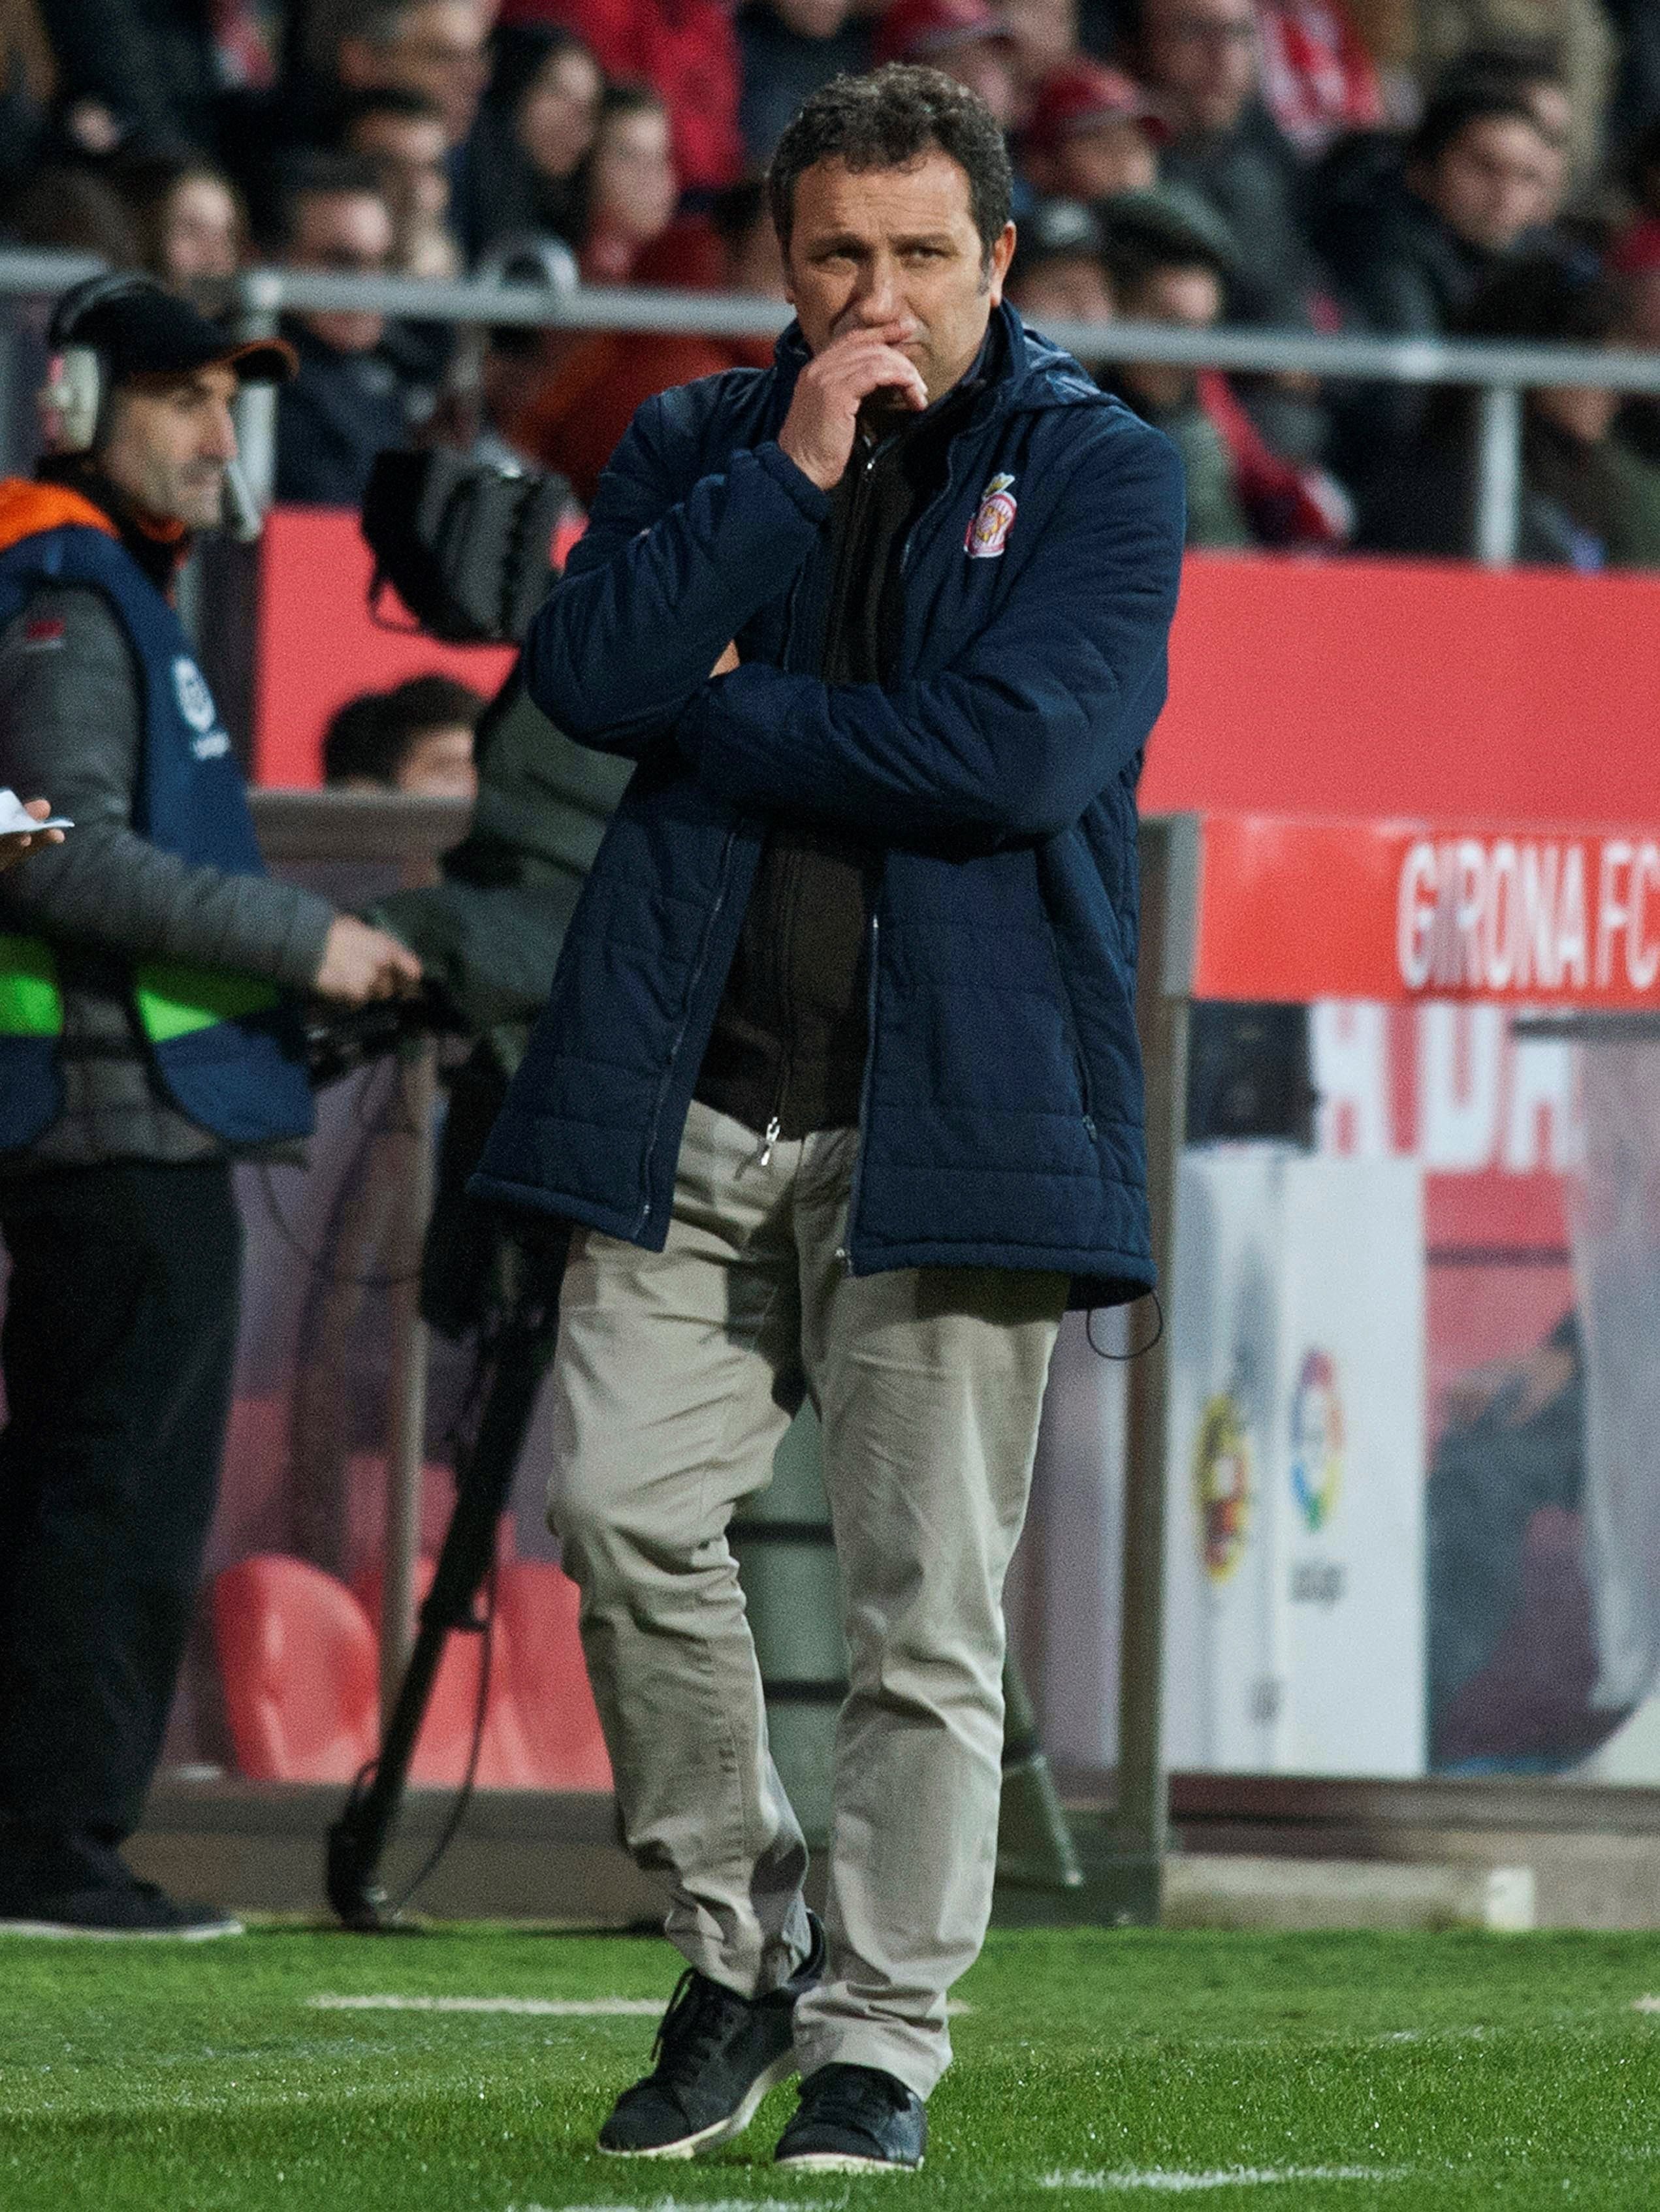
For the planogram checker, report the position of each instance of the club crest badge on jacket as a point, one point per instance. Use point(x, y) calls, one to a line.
point(993, 519)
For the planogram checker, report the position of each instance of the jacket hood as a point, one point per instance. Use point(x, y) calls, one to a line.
point(27, 509)
point(1036, 372)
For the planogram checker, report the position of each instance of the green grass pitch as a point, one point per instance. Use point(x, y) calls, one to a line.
point(1097, 2069)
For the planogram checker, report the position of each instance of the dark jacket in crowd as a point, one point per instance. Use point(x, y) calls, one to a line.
point(71, 725)
point(996, 770)
point(1251, 177)
point(332, 419)
point(1399, 270)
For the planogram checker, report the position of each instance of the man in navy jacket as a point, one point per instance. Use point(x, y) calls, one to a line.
point(839, 1080)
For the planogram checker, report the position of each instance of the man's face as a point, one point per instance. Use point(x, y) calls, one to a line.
point(873, 246)
point(1111, 157)
point(349, 234)
point(439, 764)
point(557, 115)
point(1497, 179)
point(408, 151)
point(1190, 296)
point(1201, 55)
point(437, 51)
point(200, 233)
point(1069, 287)
point(168, 445)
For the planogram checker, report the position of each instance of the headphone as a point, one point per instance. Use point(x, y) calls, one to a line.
point(73, 401)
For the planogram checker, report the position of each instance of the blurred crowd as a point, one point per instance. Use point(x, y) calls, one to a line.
point(1401, 167)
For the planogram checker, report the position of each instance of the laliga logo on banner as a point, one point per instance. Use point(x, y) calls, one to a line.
point(1318, 1437)
point(1505, 913)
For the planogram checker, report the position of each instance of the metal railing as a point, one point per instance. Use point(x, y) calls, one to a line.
point(1500, 372)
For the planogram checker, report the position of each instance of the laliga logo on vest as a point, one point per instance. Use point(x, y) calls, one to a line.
point(1510, 914)
point(195, 704)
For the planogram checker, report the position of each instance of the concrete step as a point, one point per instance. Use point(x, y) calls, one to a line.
point(1212, 1890)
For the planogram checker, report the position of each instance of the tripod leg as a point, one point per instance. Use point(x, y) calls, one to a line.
point(358, 1839)
point(1035, 1849)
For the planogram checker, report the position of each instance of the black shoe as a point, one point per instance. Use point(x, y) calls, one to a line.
point(717, 2055)
point(855, 2119)
point(109, 1909)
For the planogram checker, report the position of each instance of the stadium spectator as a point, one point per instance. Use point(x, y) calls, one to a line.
point(1165, 269)
point(1169, 264)
point(965, 39)
point(151, 66)
point(416, 739)
point(1057, 274)
point(1573, 37)
point(349, 399)
point(1589, 501)
point(626, 187)
point(533, 132)
point(1531, 73)
point(1093, 133)
point(685, 50)
point(789, 48)
point(1201, 59)
point(434, 48)
point(1477, 178)
point(1319, 79)
point(591, 386)
point(403, 135)
point(192, 227)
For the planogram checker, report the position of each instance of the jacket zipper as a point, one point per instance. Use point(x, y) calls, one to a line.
point(837, 594)
point(1079, 1064)
point(690, 1000)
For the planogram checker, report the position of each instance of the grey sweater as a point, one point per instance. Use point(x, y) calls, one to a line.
point(70, 729)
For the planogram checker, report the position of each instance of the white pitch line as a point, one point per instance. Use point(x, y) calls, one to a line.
point(544, 2007)
point(1645, 2004)
point(705, 2204)
point(549, 2007)
point(1175, 2184)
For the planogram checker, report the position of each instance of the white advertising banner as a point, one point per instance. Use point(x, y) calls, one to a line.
point(1295, 1596)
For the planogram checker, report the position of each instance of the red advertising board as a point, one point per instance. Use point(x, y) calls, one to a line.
point(1389, 910)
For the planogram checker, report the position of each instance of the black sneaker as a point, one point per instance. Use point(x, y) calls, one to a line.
point(109, 1910)
point(855, 2119)
point(717, 2055)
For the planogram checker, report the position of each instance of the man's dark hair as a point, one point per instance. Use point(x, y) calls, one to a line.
point(313, 174)
point(1450, 114)
point(887, 120)
point(385, 99)
point(371, 735)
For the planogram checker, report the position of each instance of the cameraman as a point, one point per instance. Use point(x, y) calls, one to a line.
point(147, 1041)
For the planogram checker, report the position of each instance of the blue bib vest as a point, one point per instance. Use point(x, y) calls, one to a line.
point(227, 1048)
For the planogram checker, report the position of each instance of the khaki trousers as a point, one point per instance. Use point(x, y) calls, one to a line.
point(677, 1373)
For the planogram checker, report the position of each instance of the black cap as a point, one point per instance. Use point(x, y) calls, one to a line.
point(1055, 230)
point(142, 332)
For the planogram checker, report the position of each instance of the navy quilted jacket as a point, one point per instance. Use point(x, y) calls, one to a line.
point(1002, 1120)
